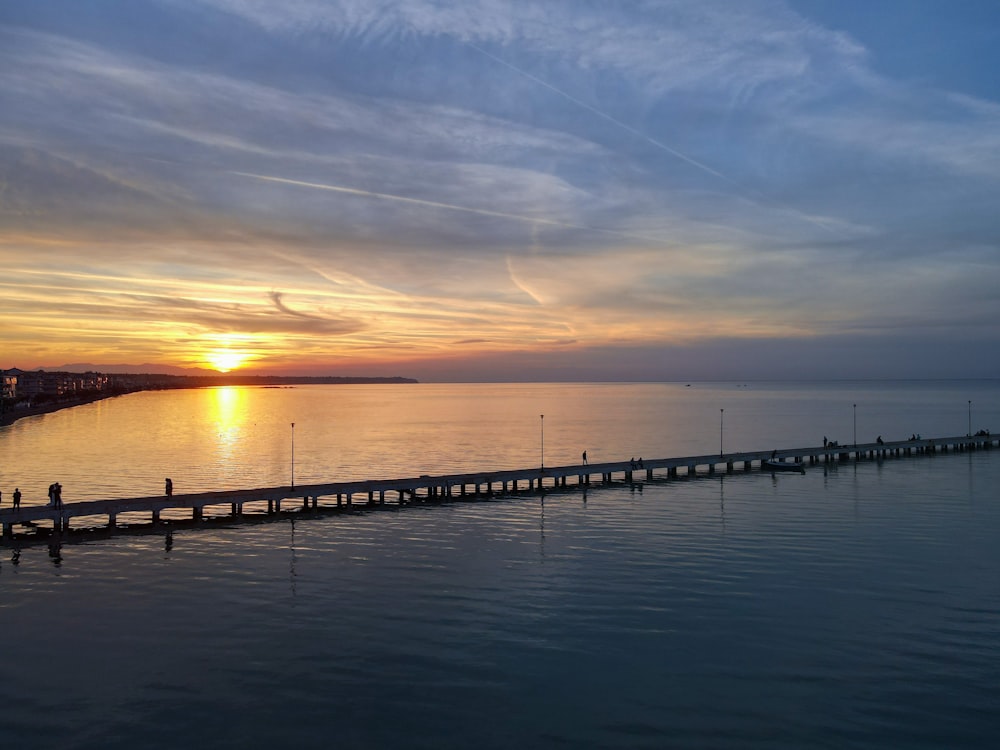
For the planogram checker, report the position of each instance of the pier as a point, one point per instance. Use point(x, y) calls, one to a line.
point(334, 496)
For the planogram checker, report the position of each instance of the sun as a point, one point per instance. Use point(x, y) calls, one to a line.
point(225, 360)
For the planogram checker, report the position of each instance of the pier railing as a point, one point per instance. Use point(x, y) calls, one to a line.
point(366, 493)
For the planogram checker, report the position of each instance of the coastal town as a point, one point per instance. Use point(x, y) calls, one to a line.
point(28, 392)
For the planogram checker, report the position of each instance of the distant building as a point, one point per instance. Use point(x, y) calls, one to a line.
point(34, 383)
point(8, 389)
point(29, 385)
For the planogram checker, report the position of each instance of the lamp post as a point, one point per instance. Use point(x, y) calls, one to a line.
point(970, 417)
point(722, 416)
point(855, 425)
point(541, 418)
point(293, 455)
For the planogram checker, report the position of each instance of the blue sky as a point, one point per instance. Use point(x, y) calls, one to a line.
point(503, 190)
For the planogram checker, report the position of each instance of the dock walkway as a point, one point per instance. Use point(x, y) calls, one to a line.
point(366, 493)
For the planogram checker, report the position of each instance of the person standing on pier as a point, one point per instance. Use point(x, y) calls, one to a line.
point(168, 486)
point(57, 495)
point(585, 458)
point(17, 497)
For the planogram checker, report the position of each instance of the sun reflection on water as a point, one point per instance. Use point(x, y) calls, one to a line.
point(230, 417)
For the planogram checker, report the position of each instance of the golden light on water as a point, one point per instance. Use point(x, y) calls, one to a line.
point(228, 409)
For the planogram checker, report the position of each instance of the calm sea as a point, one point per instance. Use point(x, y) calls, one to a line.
point(855, 606)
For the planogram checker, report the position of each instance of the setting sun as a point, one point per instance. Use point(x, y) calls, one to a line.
point(225, 360)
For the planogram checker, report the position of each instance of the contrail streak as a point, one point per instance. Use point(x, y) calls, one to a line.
point(649, 139)
point(447, 206)
point(605, 115)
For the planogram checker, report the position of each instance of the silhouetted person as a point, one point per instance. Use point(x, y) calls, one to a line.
point(57, 494)
point(774, 454)
point(585, 458)
point(825, 441)
point(168, 486)
point(879, 440)
point(17, 497)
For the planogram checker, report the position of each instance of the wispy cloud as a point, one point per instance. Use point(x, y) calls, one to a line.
point(389, 177)
point(710, 44)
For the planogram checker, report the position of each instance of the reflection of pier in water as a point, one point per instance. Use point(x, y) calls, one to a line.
point(337, 496)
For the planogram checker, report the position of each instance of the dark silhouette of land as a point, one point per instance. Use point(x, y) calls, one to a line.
point(201, 381)
point(11, 414)
point(56, 394)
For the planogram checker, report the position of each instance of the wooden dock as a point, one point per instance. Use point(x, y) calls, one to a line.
point(332, 496)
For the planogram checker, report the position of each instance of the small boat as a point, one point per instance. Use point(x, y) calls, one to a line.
point(772, 465)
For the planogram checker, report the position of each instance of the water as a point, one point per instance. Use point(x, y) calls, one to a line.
point(853, 607)
point(222, 438)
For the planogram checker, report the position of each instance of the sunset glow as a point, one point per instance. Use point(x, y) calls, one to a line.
point(226, 360)
point(465, 200)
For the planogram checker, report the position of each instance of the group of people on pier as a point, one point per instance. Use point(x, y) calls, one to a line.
point(55, 495)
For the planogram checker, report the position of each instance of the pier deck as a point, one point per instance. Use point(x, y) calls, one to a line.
point(340, 495)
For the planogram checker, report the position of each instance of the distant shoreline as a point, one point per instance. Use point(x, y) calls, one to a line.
point(9, 417)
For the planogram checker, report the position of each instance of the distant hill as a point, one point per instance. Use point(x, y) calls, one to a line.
point(146, 369)
point(167, 376)
point(194, 377)
point(196, 381)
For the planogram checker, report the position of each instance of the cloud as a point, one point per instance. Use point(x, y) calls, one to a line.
point(665, 46)
point(961, 138)
point(385, 179)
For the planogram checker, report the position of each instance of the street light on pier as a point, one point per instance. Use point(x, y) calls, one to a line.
point(542, 421)
point(722, 416)
point(293, 455)
point(970, 418)
point(855, 425)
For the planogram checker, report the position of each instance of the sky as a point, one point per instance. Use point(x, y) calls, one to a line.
point(487, 190)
